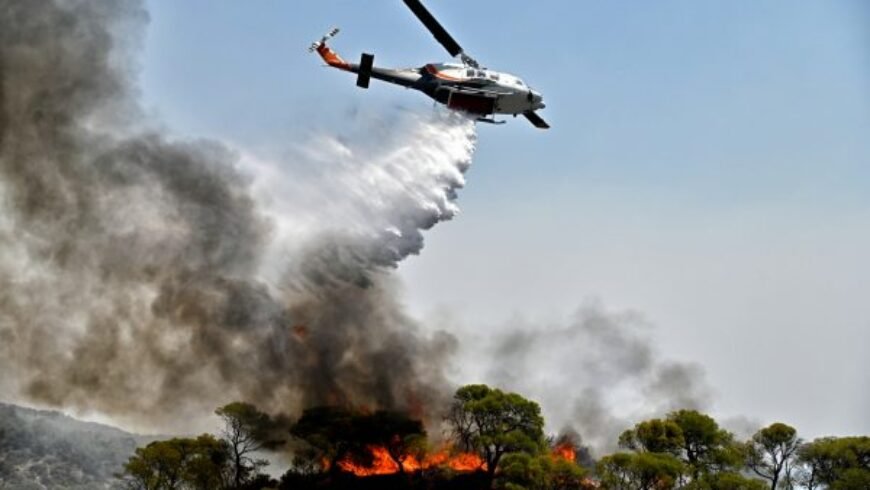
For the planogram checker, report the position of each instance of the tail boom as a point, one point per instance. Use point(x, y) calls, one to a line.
point(365, 69)
point(331, 57)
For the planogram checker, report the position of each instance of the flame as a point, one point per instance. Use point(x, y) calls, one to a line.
point(566, 452)
point(383, 464)
point(466, 462)
point(300, 331)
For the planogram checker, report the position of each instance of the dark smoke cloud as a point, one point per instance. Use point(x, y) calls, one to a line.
point(144, 277)
point(598, 373)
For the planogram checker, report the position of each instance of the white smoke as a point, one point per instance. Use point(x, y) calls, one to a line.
point(598, 372)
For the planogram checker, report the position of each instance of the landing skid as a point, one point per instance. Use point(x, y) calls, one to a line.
point(489, 121)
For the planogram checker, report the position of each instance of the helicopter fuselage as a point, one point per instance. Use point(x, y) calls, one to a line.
point(465, 86)
point(479, 91)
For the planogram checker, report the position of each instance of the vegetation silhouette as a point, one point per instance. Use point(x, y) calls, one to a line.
point(495, 440)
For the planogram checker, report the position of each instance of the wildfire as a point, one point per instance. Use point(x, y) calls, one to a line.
point(383, 464)
point(566, 452)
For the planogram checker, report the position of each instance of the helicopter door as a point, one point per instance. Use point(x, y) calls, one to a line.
point(473, 103)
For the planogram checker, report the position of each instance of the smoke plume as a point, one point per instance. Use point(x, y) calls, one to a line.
point(597, 373)
point(152, 279)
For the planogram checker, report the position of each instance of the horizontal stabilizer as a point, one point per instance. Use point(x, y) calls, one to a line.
point(535, 119)
point(365, 70)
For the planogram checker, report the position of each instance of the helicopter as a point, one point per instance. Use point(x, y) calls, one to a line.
point(463, 86)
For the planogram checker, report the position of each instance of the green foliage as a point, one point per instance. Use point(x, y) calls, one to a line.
point(654, 436)
point(566, 475)
point(208, 467)
point(523, 471)
point(725, 481)
point(708, 456)
point(640, 471)
point(706, 447)
point(179, 463)
point(494, 423)
point(852, 479)
point(840, 463)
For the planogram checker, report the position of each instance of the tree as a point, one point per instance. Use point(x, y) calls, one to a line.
point(246, 431)
point(157, 466)
point(840, 463)
point(640, 471)
point(654, 436)
point(694, 439)
point(307, 461)
point(332, 433)
point(852, 479)
point(493, 424)
point(706, 447)
point(771, 450)
point(566, 475)
point(196, 464)
point(208, 467)
point(522, 471)
point(691, 436)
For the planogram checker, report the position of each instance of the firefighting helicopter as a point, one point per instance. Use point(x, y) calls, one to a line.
point(464, 86)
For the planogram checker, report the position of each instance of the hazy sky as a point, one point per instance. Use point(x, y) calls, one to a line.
point(708, 167)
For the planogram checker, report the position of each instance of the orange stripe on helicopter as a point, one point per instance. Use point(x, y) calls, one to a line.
point(331, 57)
point(437, 74)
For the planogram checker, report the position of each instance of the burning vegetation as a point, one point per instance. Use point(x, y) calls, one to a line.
point(489, 438)
point(382, 462)
point(494, 440)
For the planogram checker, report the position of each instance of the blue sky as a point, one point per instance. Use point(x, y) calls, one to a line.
point(708, 166)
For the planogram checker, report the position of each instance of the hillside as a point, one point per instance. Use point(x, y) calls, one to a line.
point(49, 450)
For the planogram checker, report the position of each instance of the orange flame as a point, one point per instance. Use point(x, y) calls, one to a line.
point(383, 464)
point(466, 462)
point(566, 452)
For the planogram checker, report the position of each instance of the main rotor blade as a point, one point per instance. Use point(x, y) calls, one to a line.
point(437, 30)
point(536, 120)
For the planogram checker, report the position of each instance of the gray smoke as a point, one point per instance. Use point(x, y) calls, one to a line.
point(598, 373)
point(152, 279)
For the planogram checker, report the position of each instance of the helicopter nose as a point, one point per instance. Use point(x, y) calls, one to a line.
point(538, 100)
